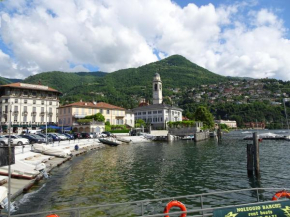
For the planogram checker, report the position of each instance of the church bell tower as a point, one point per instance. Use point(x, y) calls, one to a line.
point(157, 89)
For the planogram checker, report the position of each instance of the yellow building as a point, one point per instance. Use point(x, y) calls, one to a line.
point(69, 114)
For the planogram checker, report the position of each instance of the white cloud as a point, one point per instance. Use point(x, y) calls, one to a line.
point(113, 34)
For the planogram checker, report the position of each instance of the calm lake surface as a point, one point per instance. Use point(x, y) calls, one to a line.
point(157, 170)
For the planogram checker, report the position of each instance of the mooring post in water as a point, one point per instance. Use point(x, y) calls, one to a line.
point(256, 154)
point(219, 134)
point(250, 159)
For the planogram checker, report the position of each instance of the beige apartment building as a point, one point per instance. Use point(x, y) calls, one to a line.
point(69, 114)
point(28, 106)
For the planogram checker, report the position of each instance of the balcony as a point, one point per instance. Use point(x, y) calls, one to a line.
point(15, 112)
point(42, 113)
point(33, 113)
point(24, 113)
point(4, 112)
point(50, 113)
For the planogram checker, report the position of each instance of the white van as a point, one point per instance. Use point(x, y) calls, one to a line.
point(31, 131)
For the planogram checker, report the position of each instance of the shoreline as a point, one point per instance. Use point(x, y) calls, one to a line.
point(21, 186)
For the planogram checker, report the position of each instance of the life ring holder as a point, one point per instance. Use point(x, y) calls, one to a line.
point(175, 203)
point(281, 194)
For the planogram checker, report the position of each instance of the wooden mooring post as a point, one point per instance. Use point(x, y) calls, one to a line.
point(253, 158)
point(219, 134)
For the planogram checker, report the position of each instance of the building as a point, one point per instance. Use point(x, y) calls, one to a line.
point(130, 118)
point(29, 106)
point(71, 113)
point(229, 123)
point(158, 114)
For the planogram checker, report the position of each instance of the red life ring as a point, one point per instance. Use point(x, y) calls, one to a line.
point(177, 204)
point(280, 194)
point(52, 215)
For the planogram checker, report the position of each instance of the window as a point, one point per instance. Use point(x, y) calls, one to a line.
point(149, 113)
point(33, 118)
point(50, 110)
point(159, 112)
point(156, 87)
point(25, 101)
point(101, 111)
point(25, 108)
point(108, 120)
point(34, 93)
point(24, 118)
point(15, 118)
point(34, 101)
point(144, 113)
point(50, 103)
point(108, 111)
point(16, 108)
point(154, 112)
point(64, 110)
point(42, 102)
point(42, 109)
point(42, 118)
point(50, 118)
point(6, 100)
point(25, 93)
point(34, 109)
point(16, 101)
point(139, 113)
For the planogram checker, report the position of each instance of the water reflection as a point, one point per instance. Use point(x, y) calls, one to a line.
point(148, 171)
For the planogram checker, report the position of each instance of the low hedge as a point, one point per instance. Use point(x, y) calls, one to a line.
point(119, 131)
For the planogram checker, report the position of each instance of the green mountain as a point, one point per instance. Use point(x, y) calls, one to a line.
point(64, 81)
point(125, 87)
point(4, 81)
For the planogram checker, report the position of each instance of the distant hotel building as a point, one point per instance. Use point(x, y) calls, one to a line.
point(71, 113)
point(158, 114)
point(31, 106)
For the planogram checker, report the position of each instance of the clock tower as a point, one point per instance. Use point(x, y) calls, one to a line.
point(157, 89)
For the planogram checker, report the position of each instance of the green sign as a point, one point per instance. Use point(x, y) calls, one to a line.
point(277, 209)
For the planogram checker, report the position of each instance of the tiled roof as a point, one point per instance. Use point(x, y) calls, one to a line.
point(30, 86)
point(156, 106)
point(99, 105)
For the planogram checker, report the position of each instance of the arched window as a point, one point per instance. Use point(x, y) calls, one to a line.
point(156, 87)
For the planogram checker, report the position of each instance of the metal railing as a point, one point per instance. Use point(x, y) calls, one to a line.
point(201, 211)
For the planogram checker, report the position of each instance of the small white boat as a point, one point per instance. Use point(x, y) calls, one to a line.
point(53, 151)
point(3, 197)
point(188, 138)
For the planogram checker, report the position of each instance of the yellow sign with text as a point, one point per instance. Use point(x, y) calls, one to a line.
point(276, 209)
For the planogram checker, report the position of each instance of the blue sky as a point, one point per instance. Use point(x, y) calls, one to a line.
point(247, 38)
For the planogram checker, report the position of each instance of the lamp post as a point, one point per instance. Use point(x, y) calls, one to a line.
point(46, 122)
point(9, 161)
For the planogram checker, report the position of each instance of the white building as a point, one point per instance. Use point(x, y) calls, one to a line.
point(130, 118)
point(158, 114)
point(229, 123)
point(29, 106)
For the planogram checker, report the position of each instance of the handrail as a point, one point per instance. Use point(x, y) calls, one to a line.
point(202, 210)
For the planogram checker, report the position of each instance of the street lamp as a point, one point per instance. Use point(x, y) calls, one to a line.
point(46, 122)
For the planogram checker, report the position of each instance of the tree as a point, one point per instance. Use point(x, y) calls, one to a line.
point(97, 117)
point(202, 114)
point(140, 123)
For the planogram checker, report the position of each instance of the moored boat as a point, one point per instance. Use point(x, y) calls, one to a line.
point(110, 141)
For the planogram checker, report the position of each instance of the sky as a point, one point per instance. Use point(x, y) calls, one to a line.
point(245, 38)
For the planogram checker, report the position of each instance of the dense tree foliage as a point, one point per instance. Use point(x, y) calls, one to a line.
point(203, 114)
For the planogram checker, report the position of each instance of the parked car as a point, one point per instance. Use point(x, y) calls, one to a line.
point(54, 137)
point(86, 135)
point(77, 135)
point(105, 133)
point(69, 136)
point(61, 136)
point(3, 141)
point(32, 138)
point(17, 140)
point(49, 137)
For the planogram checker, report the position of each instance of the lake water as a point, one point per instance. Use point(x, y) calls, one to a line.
point(157, 170)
